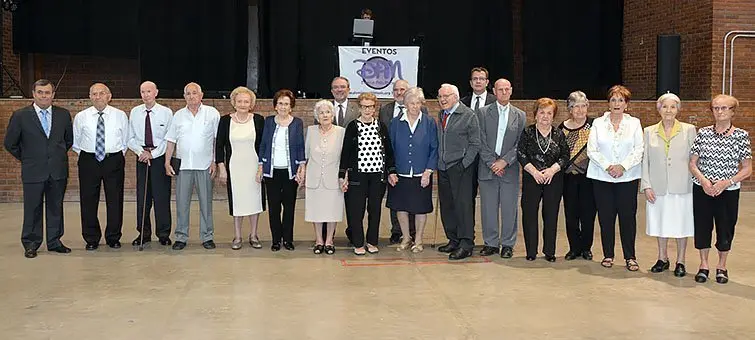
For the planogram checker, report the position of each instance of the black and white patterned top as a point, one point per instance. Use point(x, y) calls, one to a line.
point(370, 147)
point(720, 155)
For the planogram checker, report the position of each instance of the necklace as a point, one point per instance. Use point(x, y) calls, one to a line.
point(726, 132)
point(547, 140)
point(248, 117)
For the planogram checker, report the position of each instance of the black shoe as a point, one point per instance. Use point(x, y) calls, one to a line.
point(507, 252)
point(395, 239)
point(138, 240)
point(60, 249)
point(92, 246)
point(30, 253)
point(587, 255)
point(289, 246)
point(114, 245)
point(179, 245)
point(571, 255)
point(276, 246)
point(165, 241)
point(531, 258)
point(680, 270)
point(550, 258)
point(208, 244)
point(659, 266)
point(702, 275)
point(488, 250)
point(460, 254)
point(722, 276)
point(448, 248)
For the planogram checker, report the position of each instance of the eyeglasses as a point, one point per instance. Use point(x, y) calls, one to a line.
point(367, 107)
point(579, 106)
point(444, 96)
point(721, 108)
point(479, 79)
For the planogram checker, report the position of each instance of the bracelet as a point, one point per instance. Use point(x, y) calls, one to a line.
point(731, 180)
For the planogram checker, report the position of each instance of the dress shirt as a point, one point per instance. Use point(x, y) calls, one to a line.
point(159, 119)
point(85, 130)
point(47, 119)
point(483, 98)
point(606, 147)
point(194, 136)
point(503, 122)
point(345, 105)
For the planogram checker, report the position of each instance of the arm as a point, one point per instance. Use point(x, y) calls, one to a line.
point(76, 133)
point(125, 128)
point(432, 161)
point(307, 145)
point(635, 156)
point(133, 144)
point(564, 155)
point(68, 134)
point(299, 137)
point(168, 154)
point(390, 161)
point(511, 155)
point(521, 151)
point(473, 131)
point(487, 155)
point(593, 152)
point(13, 136)
point(160, 149)
point(220, 142)
point(645, 181)
point(349, 143)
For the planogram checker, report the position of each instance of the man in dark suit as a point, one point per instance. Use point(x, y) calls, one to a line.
point(40, 136)
point(387, 113)
point(480, 95)
point(459, 142)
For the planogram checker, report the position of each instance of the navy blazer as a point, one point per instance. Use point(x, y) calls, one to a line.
point(418, 149)
point(295, 145)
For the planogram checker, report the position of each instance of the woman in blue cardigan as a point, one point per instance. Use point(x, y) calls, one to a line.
point(282, 164)
point(414, 138)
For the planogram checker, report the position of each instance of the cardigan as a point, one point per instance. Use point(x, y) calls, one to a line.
point(416, 150)
point(350, 151)
point(223, 143)
point(295, 146)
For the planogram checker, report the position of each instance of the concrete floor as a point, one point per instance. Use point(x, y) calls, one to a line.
point(226, 294)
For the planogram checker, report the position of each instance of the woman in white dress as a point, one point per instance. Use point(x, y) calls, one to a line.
point(236, 152)
point(323, 204)
point(667, 183)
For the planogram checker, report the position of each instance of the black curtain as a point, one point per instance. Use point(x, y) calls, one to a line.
point(571, 45)
point(299, 39)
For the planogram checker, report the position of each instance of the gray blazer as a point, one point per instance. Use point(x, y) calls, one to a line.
point(667, 174)
point(386, 113)
point(352, 112)
point(488, 117)
point(460, 140)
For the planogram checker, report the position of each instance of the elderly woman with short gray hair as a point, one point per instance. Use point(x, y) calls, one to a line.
point(579, 199)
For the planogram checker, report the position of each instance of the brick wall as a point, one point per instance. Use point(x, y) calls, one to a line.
point(10, 172)
point(730, 15)
point(121, 75)
point(11, 60)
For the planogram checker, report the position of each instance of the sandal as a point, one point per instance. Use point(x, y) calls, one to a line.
point(372, 249)
point(255, 242)
point(359, 251)
point(632, 265)
point(318, 249)
point(236, 244)
point(417, 248)
point(330, 250)
point(607, 262)
point(722, 276)
point(702, 275)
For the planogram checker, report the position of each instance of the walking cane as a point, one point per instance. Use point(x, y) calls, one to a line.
point(144, 208)
point(435, 227)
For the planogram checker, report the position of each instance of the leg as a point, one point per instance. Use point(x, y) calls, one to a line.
point(204, 194)
point(375, 193)
point(508, 196)
point(237, 221)
point(571, 213)
point(31, 232)
point(663, 248)
point(551, 204)
point(331, 231)
point(318, 233)
point(184, 189)
point(289, 204)
point(489, 205)
point(447, 209)
point(586, 212)
point(54, 193)
point(726, 214)
point(90, 179)
point(114, 172)
point(681, 250)
point(531, 195)
point(396, 229)
point(702, 206)
point(403, 220)
point(462, 190)
point(604, 199)
point(355, 206)
point(412, 225)
point(420, 220)
point(626, 196)
point(253, 223)
point(161, 186)
point(143, 176)
point(274, 200)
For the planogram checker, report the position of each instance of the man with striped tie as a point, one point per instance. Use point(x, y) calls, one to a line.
point(100, 137)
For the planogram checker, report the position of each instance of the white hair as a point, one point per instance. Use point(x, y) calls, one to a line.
point(576, 97)
point(671, 96)
point(323, 104)
point(193, 84)
point(453, 88)
point(414, 93)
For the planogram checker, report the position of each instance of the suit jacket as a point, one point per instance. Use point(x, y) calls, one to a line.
point(386, 113)
point(352, 112)
point(488, 117)
point(489, 99)
point(460, 140)
point(667, 174)
point(41, 157)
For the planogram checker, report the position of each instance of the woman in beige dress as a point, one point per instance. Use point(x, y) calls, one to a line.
point(323, 204)
point(236, 150)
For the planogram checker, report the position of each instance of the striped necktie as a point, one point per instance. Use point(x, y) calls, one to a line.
point(99, 146)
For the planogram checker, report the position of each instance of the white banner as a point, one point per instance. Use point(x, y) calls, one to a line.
point(375, 68)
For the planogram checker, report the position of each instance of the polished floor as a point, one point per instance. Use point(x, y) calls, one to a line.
point(257, 294)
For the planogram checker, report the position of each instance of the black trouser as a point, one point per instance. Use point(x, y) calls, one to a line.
point(158, 192)
point(532, 194)
point(52, 190)
point(281, 191)
point(396, 226)
point(92, 174)
point(369, 187)
point(723, 209)
point(579, 212)
point(455, 187)
point(614, 199)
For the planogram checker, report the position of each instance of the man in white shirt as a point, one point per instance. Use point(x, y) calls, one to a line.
point(193, 131)
point(480, 96)
point(148, 124)
point(343, 112)
point(100, 136)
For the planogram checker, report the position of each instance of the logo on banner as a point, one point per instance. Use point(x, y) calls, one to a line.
point(378, 72)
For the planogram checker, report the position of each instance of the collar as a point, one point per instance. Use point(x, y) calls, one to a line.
point(503, 108)
point(39, 109)
point(453, 109)
point(345, 103)
point(403, 118)
point(674, 130)
point(104, 111)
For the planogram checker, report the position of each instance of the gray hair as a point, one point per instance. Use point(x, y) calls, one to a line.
point(323, 104)
point(453, 88)
point(576, 97)
point(414, 93)
point(671, 96)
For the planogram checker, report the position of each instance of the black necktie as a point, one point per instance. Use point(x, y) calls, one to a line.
point(477, 103)
point(400, 111)
point(340, 115)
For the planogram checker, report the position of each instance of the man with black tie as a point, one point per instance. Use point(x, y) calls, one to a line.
point(344, 112)
point(40, 136)
point(480, 95)
point(148, 124)
point(459, 142)
point(100, 137)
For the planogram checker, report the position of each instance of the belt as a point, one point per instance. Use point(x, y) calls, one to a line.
point(107, 155)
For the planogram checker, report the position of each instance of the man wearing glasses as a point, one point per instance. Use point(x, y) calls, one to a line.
point(344, 112)
point(480, 95)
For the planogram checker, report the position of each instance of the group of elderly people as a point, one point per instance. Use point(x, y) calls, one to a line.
point(690, 178)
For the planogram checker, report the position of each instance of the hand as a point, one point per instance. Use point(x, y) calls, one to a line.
point(720, 186)
point(392, 179)
point(425, 180)
point(539, 178)
point(258, 177)
point(145, 156)
point(169, 170)
point(708, 188)
point(300, 177)
point(213, 170)
point(222, 175)
point(650, 195)
point(499, 167)
point(344, 184)
point(616, 170)
point(547, 175)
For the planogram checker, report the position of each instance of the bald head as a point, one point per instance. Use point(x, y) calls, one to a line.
point(148, 91)
point(193, 95)
point(399, 88)
point(100, 95)
point(502, 90)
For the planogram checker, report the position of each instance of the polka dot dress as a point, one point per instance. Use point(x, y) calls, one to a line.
point(370, 147)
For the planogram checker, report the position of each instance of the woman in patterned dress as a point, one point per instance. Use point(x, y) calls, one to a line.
point(579, 199)
point(721, 159)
